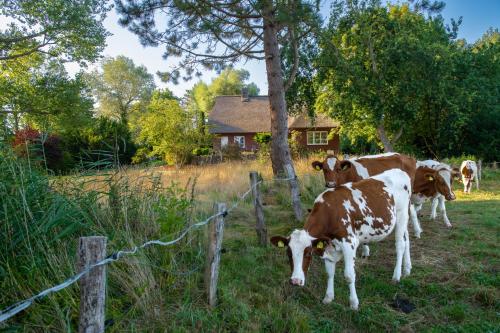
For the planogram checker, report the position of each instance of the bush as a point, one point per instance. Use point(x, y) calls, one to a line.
point(42, 148)
point(262, 138)
point(231, 152)
point(202, 151)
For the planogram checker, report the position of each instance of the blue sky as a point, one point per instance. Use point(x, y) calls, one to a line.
point(478, 16)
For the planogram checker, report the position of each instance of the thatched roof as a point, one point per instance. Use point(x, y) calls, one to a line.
point(232, 115)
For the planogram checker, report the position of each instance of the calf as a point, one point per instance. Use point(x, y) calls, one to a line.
point(433, 180)
point(468, 169)
point(339, 172)
point(342, 218)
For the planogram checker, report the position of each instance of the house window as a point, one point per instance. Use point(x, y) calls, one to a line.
point(224, 141)
point(240, 141)
point(317, 138)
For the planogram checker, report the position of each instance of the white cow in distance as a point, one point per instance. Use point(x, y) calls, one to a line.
point(468, 169)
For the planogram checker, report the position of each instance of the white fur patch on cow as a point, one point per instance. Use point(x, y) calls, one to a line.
point(331, 161)
point(299, 240)
point(379, 155)
point(348, 206)
point(361, 170)
point(358, 198)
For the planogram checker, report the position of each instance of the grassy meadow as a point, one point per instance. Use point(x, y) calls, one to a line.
point(454, 284)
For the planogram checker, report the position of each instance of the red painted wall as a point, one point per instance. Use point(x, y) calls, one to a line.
point(251, 145)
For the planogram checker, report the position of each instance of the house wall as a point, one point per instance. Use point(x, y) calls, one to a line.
point(333, 144)
point(251, 145)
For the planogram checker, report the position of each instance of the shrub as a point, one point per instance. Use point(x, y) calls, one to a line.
point(202, 151)
point(231, 152)
point(42, 148)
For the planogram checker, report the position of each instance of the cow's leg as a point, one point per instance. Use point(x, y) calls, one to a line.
point(401, 229)
point(330, 270)
point(434, 204)
point(349, 250)
point(407, 258)
point(442, 208)
point(477, 182)
point(414, 221)
point(464, 181)
point(366, 251)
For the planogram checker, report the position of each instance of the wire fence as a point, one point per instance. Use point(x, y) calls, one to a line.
point(15, 308)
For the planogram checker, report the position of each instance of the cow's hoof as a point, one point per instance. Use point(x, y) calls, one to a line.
point(363, 256)
point(354, 304)
point(406, 271)
point(417, 234)
point(395, 280)
point(327, 299)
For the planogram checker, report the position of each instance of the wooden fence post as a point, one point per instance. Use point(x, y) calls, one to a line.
point(494, 165)
point(479, 169)
point(216, 230)
point(92, 285)
point(260, 225)
point(294, 190)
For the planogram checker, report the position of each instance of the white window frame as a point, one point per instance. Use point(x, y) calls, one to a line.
point(317, 138)
point(224, 141)
point(240, 141)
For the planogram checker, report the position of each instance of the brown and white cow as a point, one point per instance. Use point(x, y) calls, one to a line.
point(338, 172)
point(345, 216)
point(433, 180)
point(468, 169)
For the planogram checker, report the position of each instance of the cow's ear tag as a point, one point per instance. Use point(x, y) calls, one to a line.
point(320, 245)
point(317, 167)
point(430, 178)
point(281, 244)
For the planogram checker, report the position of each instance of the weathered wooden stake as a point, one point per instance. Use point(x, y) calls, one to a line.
point(494, 165)
point(215, 233)
point(260, 225)
point(92, 285)
point(294, 190)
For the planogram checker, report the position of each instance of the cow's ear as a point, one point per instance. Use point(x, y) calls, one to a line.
point(429, 177)
point(455, 173)
point(319, 245)
point(345, 165)
point(317, 165)
point(279, 241)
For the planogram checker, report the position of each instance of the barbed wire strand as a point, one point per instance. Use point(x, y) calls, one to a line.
point(22, 305)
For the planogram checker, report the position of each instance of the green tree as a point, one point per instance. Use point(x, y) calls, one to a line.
point(119, 86)
point(43, 95)
point(71, 30)
point(168, 130)
point(216, 34)
point(378, 64)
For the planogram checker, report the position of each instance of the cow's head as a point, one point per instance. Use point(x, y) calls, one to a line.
point(300, 246)
point(336, 172)
point(442, 180)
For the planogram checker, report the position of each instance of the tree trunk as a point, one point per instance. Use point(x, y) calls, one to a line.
point(385, 140)
point(280, 152)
